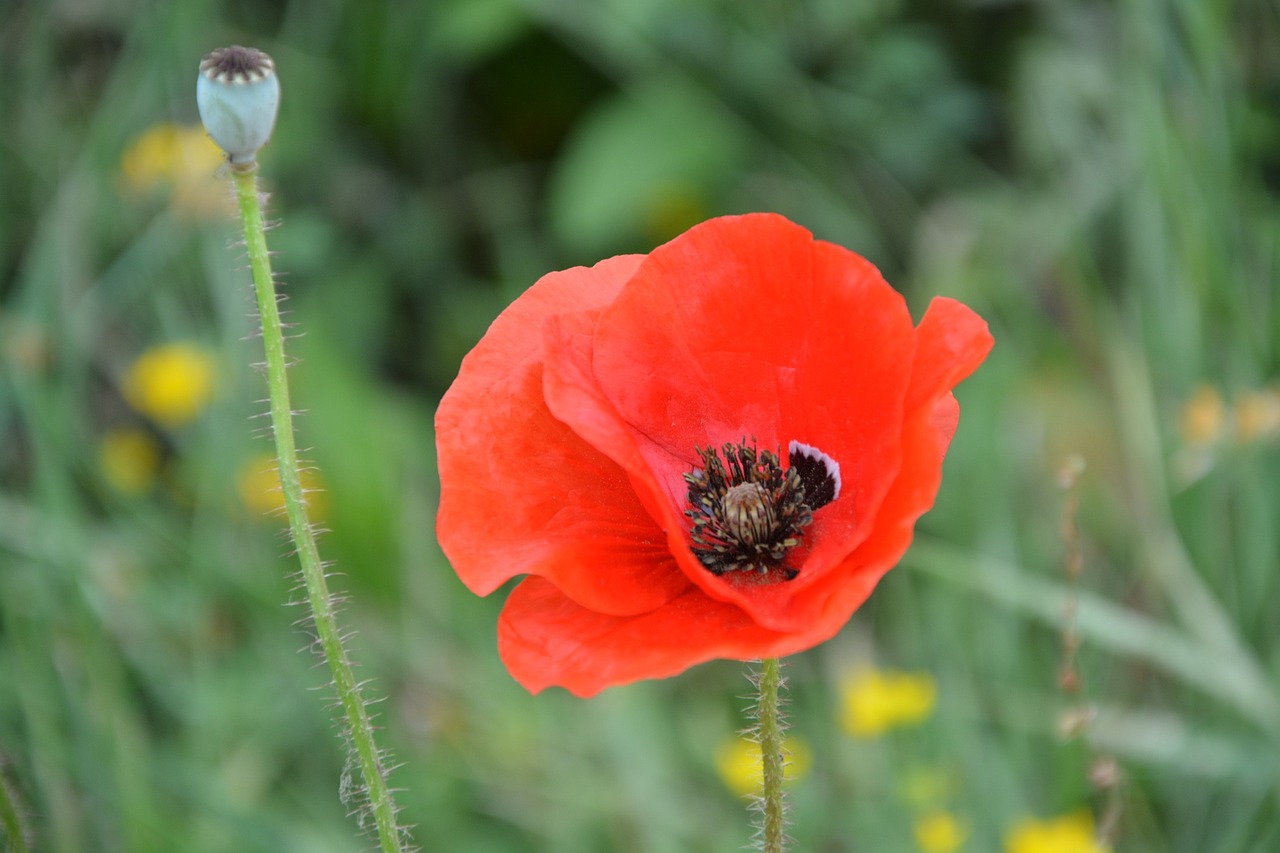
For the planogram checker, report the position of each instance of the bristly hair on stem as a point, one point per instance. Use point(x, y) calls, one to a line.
point(770, 724)
point(363, 786)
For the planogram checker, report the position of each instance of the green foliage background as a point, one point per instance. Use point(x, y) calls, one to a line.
point(1101, 180)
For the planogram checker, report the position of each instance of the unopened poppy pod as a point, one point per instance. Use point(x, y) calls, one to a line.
point(238, 95)
point(714, 450)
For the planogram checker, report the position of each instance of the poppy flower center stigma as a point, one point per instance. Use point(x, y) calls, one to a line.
point(748, 512)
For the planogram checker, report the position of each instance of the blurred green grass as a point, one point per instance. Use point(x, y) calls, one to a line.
point(1099, 180)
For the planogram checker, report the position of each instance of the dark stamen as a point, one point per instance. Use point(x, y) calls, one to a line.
point(748, 513)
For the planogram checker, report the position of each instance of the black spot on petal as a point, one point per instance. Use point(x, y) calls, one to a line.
point(819, 474)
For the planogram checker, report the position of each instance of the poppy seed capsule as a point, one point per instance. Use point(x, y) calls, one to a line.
point(238, 95)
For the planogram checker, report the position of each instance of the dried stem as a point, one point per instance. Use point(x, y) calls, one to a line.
point(1104, 770)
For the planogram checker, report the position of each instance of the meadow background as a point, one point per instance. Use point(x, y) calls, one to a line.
point(1100, 180)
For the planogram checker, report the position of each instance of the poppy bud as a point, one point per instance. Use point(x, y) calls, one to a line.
point(238, 94)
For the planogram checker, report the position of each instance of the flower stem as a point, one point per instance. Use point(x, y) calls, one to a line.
point(772, 805)
point(358, 726)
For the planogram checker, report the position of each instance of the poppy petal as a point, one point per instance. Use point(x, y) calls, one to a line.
point(520, 492)
point(926, 436)
point(951, 342)
point(572, 395)
point(759, 324)
point(545, 639)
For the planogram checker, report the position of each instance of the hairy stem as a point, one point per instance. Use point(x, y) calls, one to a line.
point(769, 720)
point(320, 603)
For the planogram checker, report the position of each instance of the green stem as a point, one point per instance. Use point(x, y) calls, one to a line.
point(359, 728)
point(770, 731)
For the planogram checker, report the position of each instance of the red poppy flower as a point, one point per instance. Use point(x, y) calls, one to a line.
point(712, 451)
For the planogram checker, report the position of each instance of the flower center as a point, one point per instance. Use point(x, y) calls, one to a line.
point(747, 512)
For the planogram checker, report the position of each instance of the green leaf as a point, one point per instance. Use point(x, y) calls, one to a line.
point(642, 165)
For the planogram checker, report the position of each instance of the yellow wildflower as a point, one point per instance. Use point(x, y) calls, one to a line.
point(1203, 417)
point(874, 701)
point(939, 832)
point(1071, 833)
point(258, 485)
point(129, 459)
point(1257, 415)
point(742, 768)
point(170, 383)
point(183, 159)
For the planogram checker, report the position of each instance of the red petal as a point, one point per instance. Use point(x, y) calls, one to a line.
point(520, 492)
point(745, 326)
point(951, 342)
point(572, 395)
point(545, 640)
point(926, 437)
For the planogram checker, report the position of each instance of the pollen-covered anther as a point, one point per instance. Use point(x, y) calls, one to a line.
point(747, 512)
